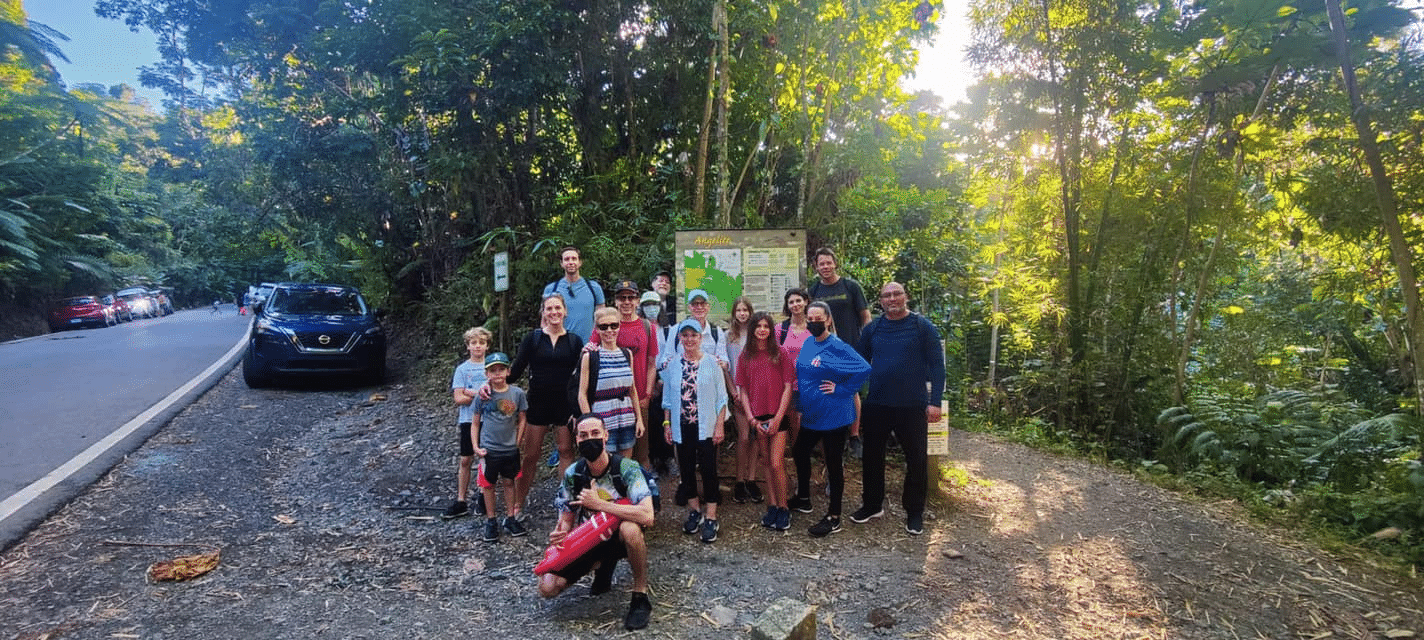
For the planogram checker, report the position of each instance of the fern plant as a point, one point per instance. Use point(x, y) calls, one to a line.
point(1266, 439)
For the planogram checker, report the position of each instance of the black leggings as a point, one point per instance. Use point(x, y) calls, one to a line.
point(834, 450)
point(694, 456)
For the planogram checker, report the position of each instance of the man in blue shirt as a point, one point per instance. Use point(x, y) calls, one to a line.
point(906, 384)
point(581, 295)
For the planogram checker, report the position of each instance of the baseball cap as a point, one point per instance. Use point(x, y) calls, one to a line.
point(625, 285)
point(651, 297)
point(495, 358)
point(695, 294)
point(690, 323)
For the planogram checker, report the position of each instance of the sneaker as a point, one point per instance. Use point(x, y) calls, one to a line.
point(478, 508)
point(639, 610)
point(602, 578)
point(739, 493)
point(854, 448)
point(457, 509)
point(800, 504)
point(515, 529)
point(864, 514)
point(915, 523)
point(827, 526)
point(694, 522)
point(783, 519)
point(755, 492)
point(769, 520)
point(553, 460)
point(709, 531)
point(491, 530)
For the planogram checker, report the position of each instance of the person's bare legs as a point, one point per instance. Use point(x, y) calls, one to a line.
point(632, 536)
point(529, 450)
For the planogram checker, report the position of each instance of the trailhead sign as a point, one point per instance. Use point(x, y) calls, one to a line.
point(728, 263)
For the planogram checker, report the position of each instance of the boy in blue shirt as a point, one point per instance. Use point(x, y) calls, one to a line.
point(497, 428)
point(469, 377)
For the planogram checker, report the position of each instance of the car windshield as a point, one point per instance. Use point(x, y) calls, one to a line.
point(324, 302)
point(78, 301)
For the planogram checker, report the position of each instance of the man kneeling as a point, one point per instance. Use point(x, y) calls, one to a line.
point(593, 486)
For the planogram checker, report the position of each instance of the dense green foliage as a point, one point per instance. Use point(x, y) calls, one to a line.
point(1153, 230)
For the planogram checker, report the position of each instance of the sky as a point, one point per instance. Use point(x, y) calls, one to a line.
point(106, 52)
point(99, 50)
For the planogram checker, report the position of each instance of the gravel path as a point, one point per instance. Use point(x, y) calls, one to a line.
point(324, 504)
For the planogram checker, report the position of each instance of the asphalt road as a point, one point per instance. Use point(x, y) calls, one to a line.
point(62, 393)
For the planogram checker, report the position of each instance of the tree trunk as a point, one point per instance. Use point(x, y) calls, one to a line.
point(1384, 193)
point(699, 199)
point(724, 205)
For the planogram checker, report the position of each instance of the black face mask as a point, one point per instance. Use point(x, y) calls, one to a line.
point(816, 328)
point(590, 449)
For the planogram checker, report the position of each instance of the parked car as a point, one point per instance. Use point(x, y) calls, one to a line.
point(315, 329)
point(139, 302)
point(161, 299)
point(261, 293)
point(79, 311)
point(118, 307)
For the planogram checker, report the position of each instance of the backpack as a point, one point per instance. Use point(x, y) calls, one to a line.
point(584, 480)
point(575, 384)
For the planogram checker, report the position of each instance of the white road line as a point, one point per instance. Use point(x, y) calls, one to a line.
point(23, 497)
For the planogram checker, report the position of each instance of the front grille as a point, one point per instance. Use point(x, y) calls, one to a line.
point(310, 341)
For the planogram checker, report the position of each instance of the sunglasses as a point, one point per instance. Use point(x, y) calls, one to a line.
point(608, 327)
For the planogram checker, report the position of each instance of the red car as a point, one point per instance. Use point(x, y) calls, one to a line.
point(78, 312)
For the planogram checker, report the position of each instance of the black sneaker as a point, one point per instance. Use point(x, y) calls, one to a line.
point(800, 504)
point(854, 448)
point(915, 523)
point(769, 520)
point(739, 493)
point(602, 578)
point(639, 610)
point(755, 492)
point(515, 529)
point(478, 508)
point(457, 509)
point(491, 530)
point(783, 519)
point(864, 514)
point(694, 522)
point(827, 526)
point(709, 531)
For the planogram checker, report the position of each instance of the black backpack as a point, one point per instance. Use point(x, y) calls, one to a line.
point(574, 384)
point(584, 480)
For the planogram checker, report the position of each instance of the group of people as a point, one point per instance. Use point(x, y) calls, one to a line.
point(626, 388)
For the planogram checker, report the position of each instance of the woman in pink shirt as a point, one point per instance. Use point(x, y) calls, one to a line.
point(765, 374)
point(792, 333)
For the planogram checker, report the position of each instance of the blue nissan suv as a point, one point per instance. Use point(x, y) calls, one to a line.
point(314, 329)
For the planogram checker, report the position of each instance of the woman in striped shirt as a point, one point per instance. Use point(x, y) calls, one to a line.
point(612, 395)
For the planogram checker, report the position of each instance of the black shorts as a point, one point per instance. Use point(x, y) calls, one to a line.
point(467, 446)
point(498, 464)
point(610, 550)
point(548, 410)
point(784, 425)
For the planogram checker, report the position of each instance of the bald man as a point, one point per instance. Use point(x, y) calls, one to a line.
point(906, 384)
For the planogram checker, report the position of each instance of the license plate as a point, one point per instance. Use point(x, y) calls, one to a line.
point(76, 320)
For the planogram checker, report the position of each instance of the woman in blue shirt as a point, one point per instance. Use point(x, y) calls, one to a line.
point(829, 372)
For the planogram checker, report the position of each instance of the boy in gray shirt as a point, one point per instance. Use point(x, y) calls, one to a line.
point(497, 427)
